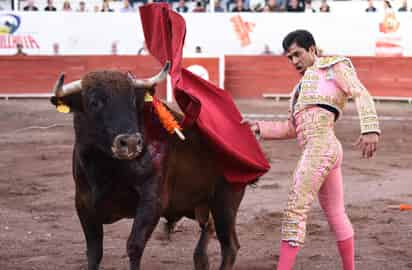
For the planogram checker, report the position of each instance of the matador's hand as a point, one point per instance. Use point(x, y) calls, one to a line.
point(252, 124)
point(368, 144)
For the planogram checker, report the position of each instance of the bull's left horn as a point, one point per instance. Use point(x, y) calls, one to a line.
point(150, 82)
point(60, 89)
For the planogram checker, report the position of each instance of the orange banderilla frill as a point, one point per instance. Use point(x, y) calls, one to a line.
point(402, 207)
point(167, 119)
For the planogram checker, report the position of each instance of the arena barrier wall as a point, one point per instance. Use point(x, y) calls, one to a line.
point(244, 76)
point(34, 76)
point(254, 76)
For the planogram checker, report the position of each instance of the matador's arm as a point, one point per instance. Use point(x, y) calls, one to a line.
point(277, 130)
point(348, 81)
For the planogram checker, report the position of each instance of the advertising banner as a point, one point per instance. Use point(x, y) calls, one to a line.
point(71, 33)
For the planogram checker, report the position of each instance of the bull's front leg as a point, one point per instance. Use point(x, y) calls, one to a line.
point(147, 216)
point(93, 231)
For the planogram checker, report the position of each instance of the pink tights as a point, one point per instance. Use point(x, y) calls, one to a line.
point(288, 254)
point(331, 200)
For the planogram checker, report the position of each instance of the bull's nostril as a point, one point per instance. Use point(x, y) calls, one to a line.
point(123, 143)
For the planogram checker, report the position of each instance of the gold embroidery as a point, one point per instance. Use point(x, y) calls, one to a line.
point(319, 157)
point(348, 80)
point(324, 62)
point(310, 75)
point(309, 88)
point(367, 113)
point(335, 102)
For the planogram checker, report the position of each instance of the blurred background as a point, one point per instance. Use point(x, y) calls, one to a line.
point(236, 44)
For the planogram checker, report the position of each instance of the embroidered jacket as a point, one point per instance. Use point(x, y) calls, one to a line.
point(330, 81)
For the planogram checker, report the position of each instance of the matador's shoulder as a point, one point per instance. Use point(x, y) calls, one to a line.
point(329, 61)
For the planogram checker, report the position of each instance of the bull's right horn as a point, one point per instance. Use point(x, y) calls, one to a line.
point(150, 82)
point(61, 90)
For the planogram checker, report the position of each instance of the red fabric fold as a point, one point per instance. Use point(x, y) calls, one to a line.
point(203, 103)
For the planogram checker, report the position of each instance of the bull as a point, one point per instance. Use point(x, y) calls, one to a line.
point(122, 169)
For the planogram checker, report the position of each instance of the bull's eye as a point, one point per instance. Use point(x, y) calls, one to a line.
point(96, 104)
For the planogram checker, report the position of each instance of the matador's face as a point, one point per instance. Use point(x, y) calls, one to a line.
point(300, 57)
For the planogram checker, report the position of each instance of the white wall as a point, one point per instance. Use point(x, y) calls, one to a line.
point(94, 33)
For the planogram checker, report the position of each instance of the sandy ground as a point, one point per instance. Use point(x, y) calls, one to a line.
point(39, 228)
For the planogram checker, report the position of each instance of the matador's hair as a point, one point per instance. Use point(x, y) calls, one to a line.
point(302, 38)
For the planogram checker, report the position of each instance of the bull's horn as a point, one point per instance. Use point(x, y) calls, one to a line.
point(61, 90)
point(150, 82)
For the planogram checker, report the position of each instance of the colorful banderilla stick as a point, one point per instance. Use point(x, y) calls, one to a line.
point(402, 207)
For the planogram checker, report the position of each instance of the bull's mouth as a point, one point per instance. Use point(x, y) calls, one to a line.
point(125, 154)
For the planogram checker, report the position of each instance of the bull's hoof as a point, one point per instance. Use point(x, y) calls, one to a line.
point(134, 265)
point(202, 265)
point(93, 267)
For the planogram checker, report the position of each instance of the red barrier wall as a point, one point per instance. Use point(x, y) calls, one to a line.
point(245, 76)
point(250, 76)
point(37, 74)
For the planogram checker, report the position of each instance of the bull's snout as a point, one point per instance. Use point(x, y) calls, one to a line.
point(127, 146)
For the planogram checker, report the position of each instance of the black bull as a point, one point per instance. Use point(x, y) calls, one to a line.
point(122, 172)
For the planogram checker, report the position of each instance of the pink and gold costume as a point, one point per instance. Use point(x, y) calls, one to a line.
point(327, 84)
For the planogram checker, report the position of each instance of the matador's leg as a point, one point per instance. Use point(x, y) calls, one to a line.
point(314, 166)
point(332, 202)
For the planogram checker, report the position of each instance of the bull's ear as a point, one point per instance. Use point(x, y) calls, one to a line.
point(69, 103)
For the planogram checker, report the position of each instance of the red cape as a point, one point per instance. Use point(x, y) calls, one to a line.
point(203, 103)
